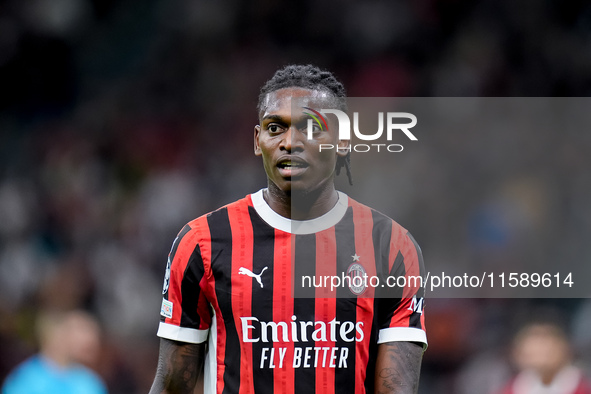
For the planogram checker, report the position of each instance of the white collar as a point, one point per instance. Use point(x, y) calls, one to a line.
point(311, 226)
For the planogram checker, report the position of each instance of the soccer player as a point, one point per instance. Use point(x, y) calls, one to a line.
point(231, 276)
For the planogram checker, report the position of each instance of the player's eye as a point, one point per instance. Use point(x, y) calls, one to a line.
point(303, 126)
point(274, 128)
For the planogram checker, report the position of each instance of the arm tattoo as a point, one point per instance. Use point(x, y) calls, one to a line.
point(398, 367)
point(179, 367)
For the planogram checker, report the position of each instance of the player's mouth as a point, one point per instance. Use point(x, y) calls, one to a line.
point(291, 167)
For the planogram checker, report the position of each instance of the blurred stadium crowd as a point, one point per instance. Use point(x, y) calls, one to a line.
point(122, 120)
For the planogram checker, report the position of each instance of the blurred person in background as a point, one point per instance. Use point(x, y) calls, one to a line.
point(543, 356)
point(69, 343)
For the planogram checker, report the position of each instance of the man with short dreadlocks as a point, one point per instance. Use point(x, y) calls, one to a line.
point(235, 304)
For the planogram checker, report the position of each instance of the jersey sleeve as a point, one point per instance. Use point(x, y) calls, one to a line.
point(185, 313)
point(401, 307)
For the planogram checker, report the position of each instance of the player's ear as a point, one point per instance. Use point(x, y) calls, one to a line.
point(343, 147)
point(257, 147)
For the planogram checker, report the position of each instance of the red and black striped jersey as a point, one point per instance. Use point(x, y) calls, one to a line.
point(260, 289)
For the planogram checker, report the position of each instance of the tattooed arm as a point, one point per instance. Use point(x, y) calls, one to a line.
point(179, 366)
point(398, 367)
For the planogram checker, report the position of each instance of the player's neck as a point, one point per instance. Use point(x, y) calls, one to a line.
point(301, 205)
point(56, 356)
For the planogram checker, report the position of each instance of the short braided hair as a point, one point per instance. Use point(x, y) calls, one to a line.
point(309, 77)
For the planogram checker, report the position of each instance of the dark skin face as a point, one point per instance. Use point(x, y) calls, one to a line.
point(300, 178)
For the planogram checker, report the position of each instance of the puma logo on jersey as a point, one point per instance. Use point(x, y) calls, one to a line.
point(246, 271)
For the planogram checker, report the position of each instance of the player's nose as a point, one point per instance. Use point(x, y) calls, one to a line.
point(292, 139)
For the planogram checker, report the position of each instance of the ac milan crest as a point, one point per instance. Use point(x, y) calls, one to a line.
point(357, 278)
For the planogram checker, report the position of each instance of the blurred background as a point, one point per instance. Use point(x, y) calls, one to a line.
point(122, 120)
